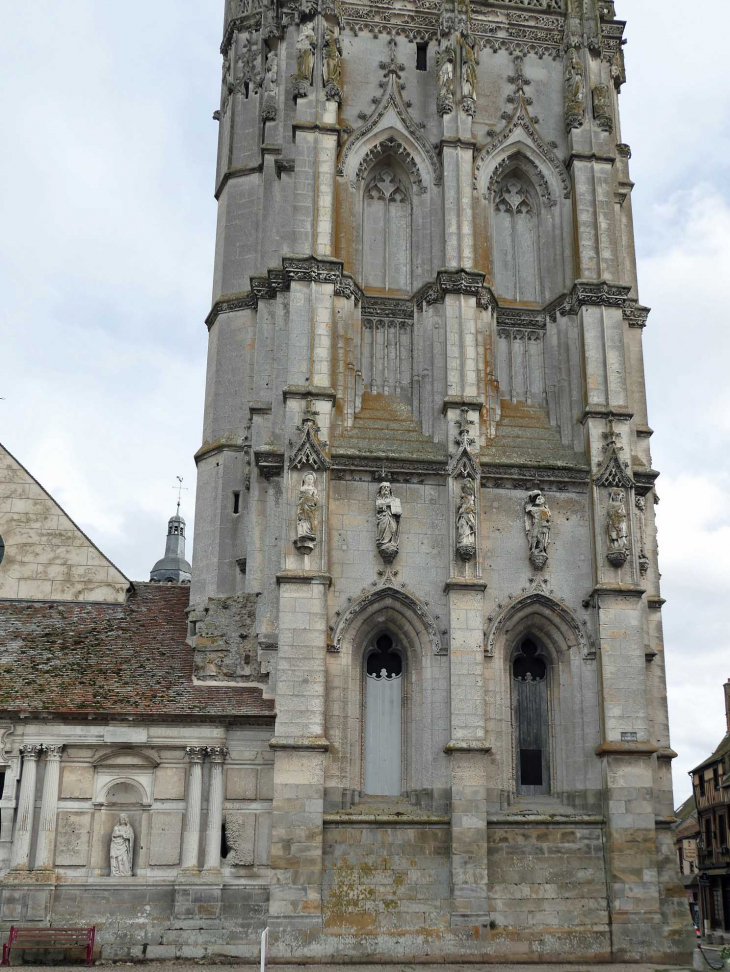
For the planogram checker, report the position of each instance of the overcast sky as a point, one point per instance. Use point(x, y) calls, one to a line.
point(108, 219)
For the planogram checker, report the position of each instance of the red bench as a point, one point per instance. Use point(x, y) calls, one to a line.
point(50, 938)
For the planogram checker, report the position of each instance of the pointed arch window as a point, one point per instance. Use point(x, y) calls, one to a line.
point(532, 735)
point(517, 264)
point(387, 220)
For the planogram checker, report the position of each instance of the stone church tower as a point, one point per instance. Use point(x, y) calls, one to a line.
point(412, 703)
point(426, 452)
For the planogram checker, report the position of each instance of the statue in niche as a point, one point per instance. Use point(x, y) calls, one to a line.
point(268, 109)
point(602, 112)
point(388, 512)
point(305, 48)
point(538, 521)
point(617, 528)
point(469, 61)
point(643, 556)
point(121, 849)
point(466, 521)
point(332, 65)
point(445, 80)
point(307, 507)
point(575, 90)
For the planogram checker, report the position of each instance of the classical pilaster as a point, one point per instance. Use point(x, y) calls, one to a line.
point(49, 805)
point(218, 756)
point(20, 858)
point(191, 834)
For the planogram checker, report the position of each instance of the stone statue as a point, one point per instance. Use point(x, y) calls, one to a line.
point(445, 80)
point(617, 528)
point(469, 61)
point(575, 90)
point(388, 512)
point(602, 111)
point(121, 849)
point(305, 48)
point(307, 507)
point(332, 65)
point(538, 520)
point(640, 504)
point(268, 109)
point(466, 521)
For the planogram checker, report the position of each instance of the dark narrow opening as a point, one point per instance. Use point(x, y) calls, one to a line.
point(722, 831)
point(2, 782)
point(245, 88)
point(701, 783)
point(716, 777)
point(708, 834)
point(421, 57)
point(236, 502)
point(384, 658)
point(531, 767)
point(224, 842)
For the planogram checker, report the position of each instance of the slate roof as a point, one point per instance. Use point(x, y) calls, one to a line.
point(131, 658)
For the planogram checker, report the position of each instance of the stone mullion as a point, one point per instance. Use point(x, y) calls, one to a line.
point(49, 805)
point(20, 858)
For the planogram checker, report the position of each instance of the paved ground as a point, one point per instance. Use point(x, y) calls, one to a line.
point(202, 965)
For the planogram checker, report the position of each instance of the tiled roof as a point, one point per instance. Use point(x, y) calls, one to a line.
point(111, 658)
point(722, 750)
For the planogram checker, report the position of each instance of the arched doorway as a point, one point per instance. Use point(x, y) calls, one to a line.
point(383, 699)
point(531, 721)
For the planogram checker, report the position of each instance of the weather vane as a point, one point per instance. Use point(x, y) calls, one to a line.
point(179, 489)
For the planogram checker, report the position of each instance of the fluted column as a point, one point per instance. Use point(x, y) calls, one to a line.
point(191, 836)
point(49, 804)
point(26, 808)
point(215, 808)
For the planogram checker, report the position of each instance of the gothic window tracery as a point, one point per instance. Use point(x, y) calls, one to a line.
point(387, 216)
point(516, 215)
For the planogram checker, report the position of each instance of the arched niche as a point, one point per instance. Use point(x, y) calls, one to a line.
point(124, 793)
point(406, 203)
point(523, 221)
point(402, 618)
point(571, 693)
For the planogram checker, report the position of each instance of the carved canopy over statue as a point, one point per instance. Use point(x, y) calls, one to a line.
point(121, 849)
point(538, 521)
point(388, 512)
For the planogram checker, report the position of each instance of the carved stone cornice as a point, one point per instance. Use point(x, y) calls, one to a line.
point(236, 173)
point(645, 480)
point(518, 317)
point(389, 308)
point(635, 313)
point(293, 268)
point(270, 462)
point(553, 477)
point(345, 460)
point(458, 281)
point(599, 294)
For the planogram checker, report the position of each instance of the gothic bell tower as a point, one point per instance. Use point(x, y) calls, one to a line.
point(426, 453)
